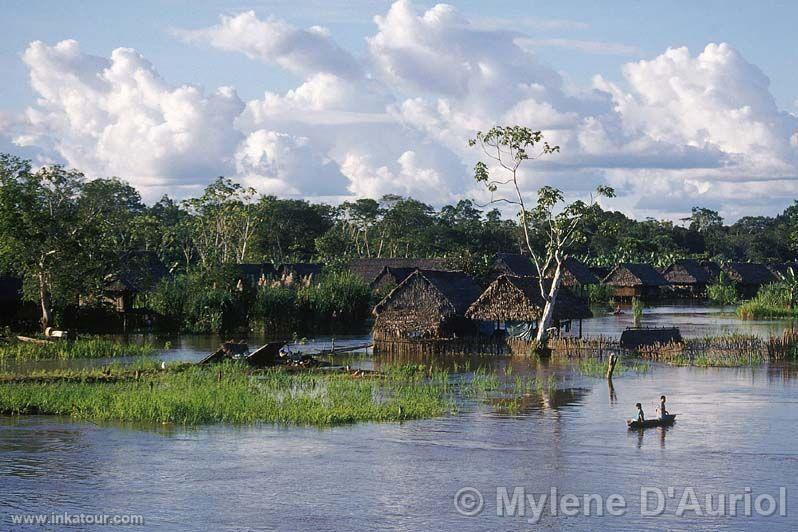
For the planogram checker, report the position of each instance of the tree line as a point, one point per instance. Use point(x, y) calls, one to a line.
point(65, 234)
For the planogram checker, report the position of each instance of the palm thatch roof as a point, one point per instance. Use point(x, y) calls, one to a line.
point(632, 274)
point(369, 268)
point(392, 275)
point(600, 271)
point(514, 264)
point(749, 273)
point(512, 298)
point(686, 272)
point(456, 288)
point(575, 273)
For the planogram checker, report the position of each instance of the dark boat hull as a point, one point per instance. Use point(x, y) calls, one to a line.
point(657, 422)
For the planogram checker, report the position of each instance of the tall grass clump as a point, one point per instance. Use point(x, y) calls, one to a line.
point(773, 300)
point(200, 302)
point(722, 291)
point(637, 310)
point(339, 295)
point(94, 347)
point(275, 306)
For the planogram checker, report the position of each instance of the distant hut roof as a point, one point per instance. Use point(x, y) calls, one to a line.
point(514, 264)
point(301, 269)
point(457, 288)
point(575, 272)
point(393, 275)
point(712, 267)
point(749, 273)
point(600, 271)
point(631, 274)
point(253, 272)
point(10, 289)
point(369, 268)
point(778, 270)
point(686, 272)
point(518, 299)
point(138, 271)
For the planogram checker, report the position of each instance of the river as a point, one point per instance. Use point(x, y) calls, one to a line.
point(735, 432)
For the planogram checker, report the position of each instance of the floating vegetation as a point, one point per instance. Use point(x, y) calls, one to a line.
point(93, 347)
point(228, 393)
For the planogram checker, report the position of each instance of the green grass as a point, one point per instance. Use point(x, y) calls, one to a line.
point(754, 309)
point(194, 395)
point(81, 348)
point(708, 361)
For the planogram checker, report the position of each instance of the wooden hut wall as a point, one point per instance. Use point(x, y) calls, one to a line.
point(414, 310)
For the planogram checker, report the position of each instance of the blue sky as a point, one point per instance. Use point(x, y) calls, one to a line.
point(763, 31)
point(576, 40)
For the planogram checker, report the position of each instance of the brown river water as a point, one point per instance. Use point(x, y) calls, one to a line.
point(735, 435)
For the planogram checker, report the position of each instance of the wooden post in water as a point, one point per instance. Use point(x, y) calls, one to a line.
point(611, 365)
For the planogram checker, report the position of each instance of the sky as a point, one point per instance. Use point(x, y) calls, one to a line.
point(674, 105)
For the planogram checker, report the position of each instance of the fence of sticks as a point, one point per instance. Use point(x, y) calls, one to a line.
point(735, 349)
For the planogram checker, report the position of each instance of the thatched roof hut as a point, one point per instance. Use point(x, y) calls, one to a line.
point(369, 268)
point(512, 298)
point(575, 273)
point(635, 280)
point(515, 264)
point(427, 304)
point(749, 276)
point(138, 272)
point(687, 274)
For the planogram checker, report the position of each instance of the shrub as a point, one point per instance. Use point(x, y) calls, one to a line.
point(722, 291)
point(772, 301)
point(338, 295)
point(600, 293)
point(275, 306)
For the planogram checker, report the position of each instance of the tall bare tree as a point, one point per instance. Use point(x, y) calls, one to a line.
point(508, 147)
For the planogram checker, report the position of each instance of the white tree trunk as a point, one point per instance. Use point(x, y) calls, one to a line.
point(548, 308)
point(44, 299)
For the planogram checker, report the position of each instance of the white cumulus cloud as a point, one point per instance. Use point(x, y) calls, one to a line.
point(679, 129)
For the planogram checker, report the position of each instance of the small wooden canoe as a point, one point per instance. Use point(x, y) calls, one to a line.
point(656, 422)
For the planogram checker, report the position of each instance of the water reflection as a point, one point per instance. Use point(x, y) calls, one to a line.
point(735, 429)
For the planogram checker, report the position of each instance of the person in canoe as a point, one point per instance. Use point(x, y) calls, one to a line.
point(640, 416)
point(662, 411)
